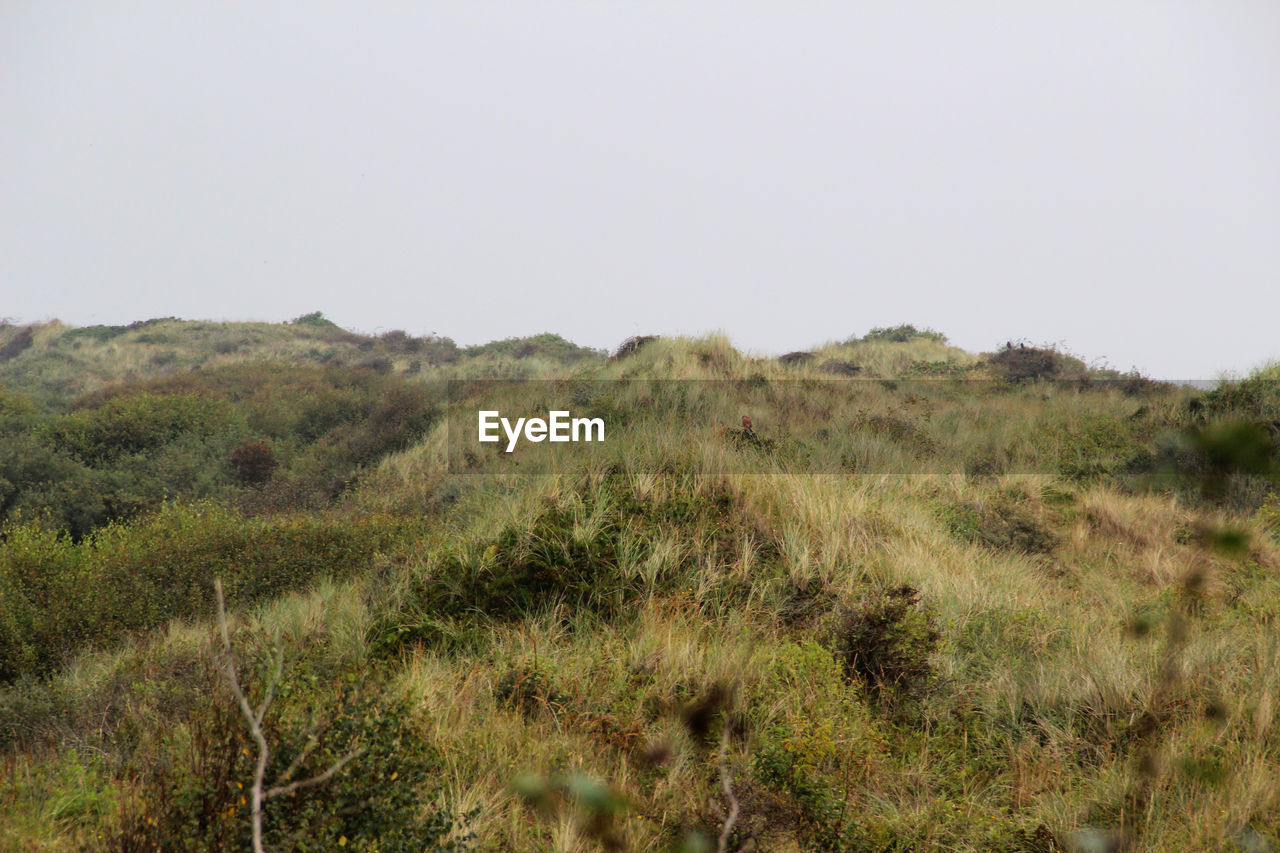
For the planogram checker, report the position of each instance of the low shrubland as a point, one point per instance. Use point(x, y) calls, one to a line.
point(265, 436)
point(59, 597)
point(927, 607)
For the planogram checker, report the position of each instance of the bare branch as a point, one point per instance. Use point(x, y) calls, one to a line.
point(312, 741)
point(229, 663)
point(726, 783)
point(254, 722)
point(281, 790)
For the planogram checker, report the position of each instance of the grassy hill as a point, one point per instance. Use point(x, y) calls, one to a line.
point(929, 600)
point(56, 362)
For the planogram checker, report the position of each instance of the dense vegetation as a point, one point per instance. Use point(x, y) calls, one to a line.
point(999, 602)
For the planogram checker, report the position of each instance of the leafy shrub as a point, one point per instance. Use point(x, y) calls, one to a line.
point(253, 463)
point(901, 334)
point(526, 567)
point(546, 345)
point(400, 341)
point(17, 345)
point(144, 422)
point(438, 350)
point(1091, 446)
point(174, 436)
point(101, 334)
point(531, 690)
point(886, 642)
point(632, 345)
point(1256, 398)
point(193, 796)
point(1026, 364)
point(838, 367)
point(897, 428)
point(934, 369)
point(316, 319)
point(554, 557)
point(380, 365)
point(58, 596)
point(39, 483)
point(1002, 525)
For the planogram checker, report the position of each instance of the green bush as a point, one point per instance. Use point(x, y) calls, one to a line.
point(1026, 364)
point(530, 565)
point(136, 424)
point(194, 794)
point(39, 483)
point(1255, 398)
point(58, 596)
point(128, 449)
point(17, 345)
point(546, 345)
point(1002, 525)
point(887, 642)
point(901, 334)
point(316, 319)
point(253, 463)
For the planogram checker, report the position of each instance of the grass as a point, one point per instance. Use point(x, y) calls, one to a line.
point(567, 633)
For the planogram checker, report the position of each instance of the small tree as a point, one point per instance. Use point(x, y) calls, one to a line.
point(253, 718)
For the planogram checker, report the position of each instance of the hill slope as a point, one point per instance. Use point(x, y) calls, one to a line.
point(942, 601)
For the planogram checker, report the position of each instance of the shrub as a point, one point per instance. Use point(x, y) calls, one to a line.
point(39, 483)
point(322, 426)
point(838, 367)
point(58, 596)
point(253, 463)
point(901, 335)
point(126, 425)
point(934, 369)
point(632, 345)
point(546, 345)
point(316, 319)
point(16, 345)
point(1026, 364)
point(526, 567)
point(886, 642)
point(192, 796)
point(400, 341)
point(101, 334)
point(898, 429)
point(1002, 525)
point(555, 557)
point(1255, 398)
point(531, 690)
point(379, 365)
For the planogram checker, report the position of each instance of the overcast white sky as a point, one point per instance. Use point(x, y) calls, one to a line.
point(1104, 174)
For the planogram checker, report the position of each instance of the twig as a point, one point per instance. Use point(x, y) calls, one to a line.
point(281, 790)
point(312, 741)
point(252, 719)
point(726, 783)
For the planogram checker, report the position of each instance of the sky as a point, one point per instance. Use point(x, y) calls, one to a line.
point(1099, 174)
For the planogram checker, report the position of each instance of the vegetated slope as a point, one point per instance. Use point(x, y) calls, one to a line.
point(994, 602)
point(52, 361)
